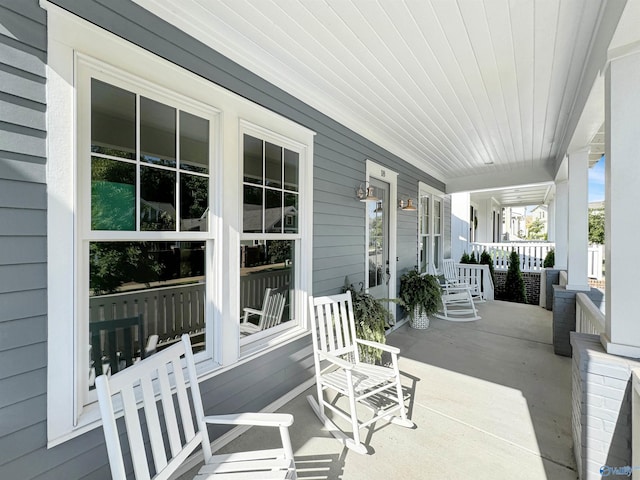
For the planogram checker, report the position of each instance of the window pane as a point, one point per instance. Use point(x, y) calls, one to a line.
point(157, 133)
point(252, 160)
point(425, 257)
point(436, 251)
point(165, 281)
point(273, 212)
point(157, 199)
point(194, 201)
point(194, 143)
point(424, 218)
point(266, 265)
point(113, 120)
point(252, 209)
point(291, 181)
point(291, 213)
point(437, 212)
point(273, 165)
point(113, 195)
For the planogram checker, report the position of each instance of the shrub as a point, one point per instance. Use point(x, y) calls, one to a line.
point(550, 259)
point(472, 258)
point(514, 289)
point(371, 321)
point(465, 258)
point(485, 259)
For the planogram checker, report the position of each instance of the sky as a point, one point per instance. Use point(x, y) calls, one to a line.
point(596, 181)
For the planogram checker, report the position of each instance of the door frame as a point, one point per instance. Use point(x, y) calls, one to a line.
point(374, 170)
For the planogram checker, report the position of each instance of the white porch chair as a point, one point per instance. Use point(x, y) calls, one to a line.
point(457, 304)
point(450, 272)
point(376, 387)
point(270, 315)
point(160, 378)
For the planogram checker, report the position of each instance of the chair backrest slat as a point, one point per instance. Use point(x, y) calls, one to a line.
point(134, 433)
point(183, 401)
point(153, 423)
point(168, 408)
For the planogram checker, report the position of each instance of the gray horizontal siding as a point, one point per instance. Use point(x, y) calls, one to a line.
point(339, 166)
point(23, 229)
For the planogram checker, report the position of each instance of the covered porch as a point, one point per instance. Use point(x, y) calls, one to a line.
point(490, 400)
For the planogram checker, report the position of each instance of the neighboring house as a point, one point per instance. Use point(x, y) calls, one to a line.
point(86, 81)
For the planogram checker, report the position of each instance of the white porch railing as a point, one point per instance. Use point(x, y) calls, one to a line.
point(477, 275)
point(531, 254)
point(171, 311)
point(589, 318)
point(635, 423)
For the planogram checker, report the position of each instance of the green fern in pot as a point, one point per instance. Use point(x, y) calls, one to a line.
point(421, 296)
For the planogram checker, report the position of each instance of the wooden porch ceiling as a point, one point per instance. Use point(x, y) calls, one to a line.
point(462, 89)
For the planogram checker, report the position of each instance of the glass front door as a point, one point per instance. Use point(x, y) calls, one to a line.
point(378, 247)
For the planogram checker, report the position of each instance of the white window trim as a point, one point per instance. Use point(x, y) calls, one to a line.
point(433, 193)
point(68, 38)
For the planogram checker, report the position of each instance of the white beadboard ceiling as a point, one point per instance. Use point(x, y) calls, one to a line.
point(463, 89)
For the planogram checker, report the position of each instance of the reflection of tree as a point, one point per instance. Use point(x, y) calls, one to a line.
point(193, 196)
point(111, 264)
point(279, 251)
point(112, 195)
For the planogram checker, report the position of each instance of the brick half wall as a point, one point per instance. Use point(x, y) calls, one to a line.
point(531, 285)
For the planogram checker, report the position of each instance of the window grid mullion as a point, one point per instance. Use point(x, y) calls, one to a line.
point(178, 159)
point(138, 195)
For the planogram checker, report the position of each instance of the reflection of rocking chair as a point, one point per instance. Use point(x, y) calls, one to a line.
point(270, 315)
point(375, 387)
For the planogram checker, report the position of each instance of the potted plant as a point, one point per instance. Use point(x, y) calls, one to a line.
point(371, 319)
point(421, 296)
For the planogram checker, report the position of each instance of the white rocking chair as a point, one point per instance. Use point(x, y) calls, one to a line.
point(376, 387)
point(457, 304)
point(452, 278)
point(160, 378)
point(270, 315)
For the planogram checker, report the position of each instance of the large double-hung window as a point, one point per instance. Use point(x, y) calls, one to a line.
point(145, 164)
point(430, 229)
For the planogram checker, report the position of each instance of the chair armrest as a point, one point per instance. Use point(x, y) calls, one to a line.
point(255, 419)
point(250, 311)
point(381, 346)
point(335, 360)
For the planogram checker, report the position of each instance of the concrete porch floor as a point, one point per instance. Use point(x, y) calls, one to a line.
point(490, 400)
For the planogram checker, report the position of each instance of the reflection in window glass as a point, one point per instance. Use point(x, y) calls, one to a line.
point(194, 201)
point(252, 209)
point(273, 165)
point(164, 281)
point(194, 143)
point(157, 133)
point(291, 213)
point(157, 199)
point(113, 195)
point(273, 211)
point(253, 160)
point(266, 282)
point(291, 170)
point(113, 120)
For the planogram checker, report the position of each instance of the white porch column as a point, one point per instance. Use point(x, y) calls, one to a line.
point(551, 221)
point(562, 224)
point(578, 233)
point(459, 224)
point(622, 198)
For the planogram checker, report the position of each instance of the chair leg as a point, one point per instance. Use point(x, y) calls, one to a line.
point(403, 421)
